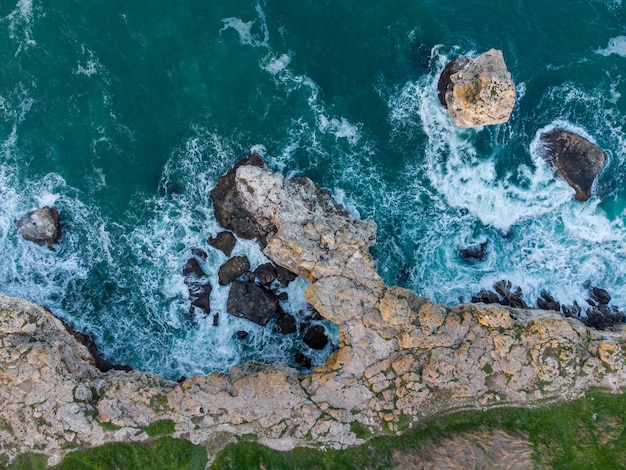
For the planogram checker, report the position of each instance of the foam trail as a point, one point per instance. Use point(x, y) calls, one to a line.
point(617, 45)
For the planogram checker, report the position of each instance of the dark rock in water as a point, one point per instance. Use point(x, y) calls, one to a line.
point(199, 291)
point(232, 269)
point(192, 268)
point(510, 297)
point(283, 296)
point(285, 323)
point(181, 379)
point(504, 295)
point(252, 302)
point(100, 362)
point(265, 274)
point(200, 253)
point(445, 83)
point(603, 317)
point(285, 276)
point(242, 334)
point(315, 337)
point(576, 160)
point(41, 226)
point(302, 360)
point(216, 319)
point(486, 297)
point(547, 302)
point(224, 241)
point(230, 210)
point(600, 296)
point(571, 310)
point(477, 252)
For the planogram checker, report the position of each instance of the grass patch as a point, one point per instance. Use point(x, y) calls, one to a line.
point(160, 428)
point(107, 426)
point(587, 433)
point(163, 453)
point(29, 461)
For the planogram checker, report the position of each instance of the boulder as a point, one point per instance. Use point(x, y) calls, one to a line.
point(199, 290)
point(477, 92)
point(285, 323)
point(252, 302)
point(41, 226)
point(600, 295)
point(575, 159)
point(224, 241)
point(475, 252)
point(315, 337)
point(265, 274)
point(547, 302)
point(285, 276)
point(230, 209)
point(232, 269)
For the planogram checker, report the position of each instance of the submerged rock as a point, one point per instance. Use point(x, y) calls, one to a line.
point(477, 92)
point(252, 302)
point(575, 159)
point(232, 269)
point(224, 241)
point(41, 226)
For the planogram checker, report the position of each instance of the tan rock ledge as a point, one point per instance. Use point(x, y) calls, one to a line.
point(401, 358)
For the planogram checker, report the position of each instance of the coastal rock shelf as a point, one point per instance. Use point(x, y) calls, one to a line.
point(401, 358)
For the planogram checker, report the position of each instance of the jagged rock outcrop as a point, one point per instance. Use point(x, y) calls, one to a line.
point(477, 92)
point(41, 226)
point(400, 358)
point(575, 159)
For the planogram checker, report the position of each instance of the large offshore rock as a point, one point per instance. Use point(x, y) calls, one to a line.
point(477, 92)
point(576, 160)
point(41, 226)
point(232, 269)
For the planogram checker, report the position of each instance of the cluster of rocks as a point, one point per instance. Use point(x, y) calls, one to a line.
point(400, 360)
point(254, 295)
point(480, 91)
point(597, 314)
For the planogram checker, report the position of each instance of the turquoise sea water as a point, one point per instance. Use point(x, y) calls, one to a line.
point(124, 114)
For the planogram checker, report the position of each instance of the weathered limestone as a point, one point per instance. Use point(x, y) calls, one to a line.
point(400, 357)
point(477, 92)
point(575, 159)
point(41, 226)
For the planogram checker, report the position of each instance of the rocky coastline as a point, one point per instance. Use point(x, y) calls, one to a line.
point(401, 359)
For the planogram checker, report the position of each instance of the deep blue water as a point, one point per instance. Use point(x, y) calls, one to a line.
point(124, 114)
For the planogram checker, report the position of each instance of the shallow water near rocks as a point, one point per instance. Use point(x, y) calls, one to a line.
point(124, 116)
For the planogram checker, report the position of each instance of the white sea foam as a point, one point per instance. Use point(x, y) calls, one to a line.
point(20, 22)
point(617, 45)
point(245, 29)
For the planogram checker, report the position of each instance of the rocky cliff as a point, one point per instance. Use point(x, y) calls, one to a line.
point(401, 358)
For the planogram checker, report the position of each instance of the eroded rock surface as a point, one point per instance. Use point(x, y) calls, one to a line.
point(41, 226)
point(576, 160)
point(400, 357)
point(477, 92)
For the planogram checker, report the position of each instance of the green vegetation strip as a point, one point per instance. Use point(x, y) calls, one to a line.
point(588, 433)
point(164, 453)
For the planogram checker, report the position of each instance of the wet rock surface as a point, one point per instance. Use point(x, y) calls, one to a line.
point(252, 302)
point(41, 226)
point(232, 269)
point(223, 241)
point(575, 159)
